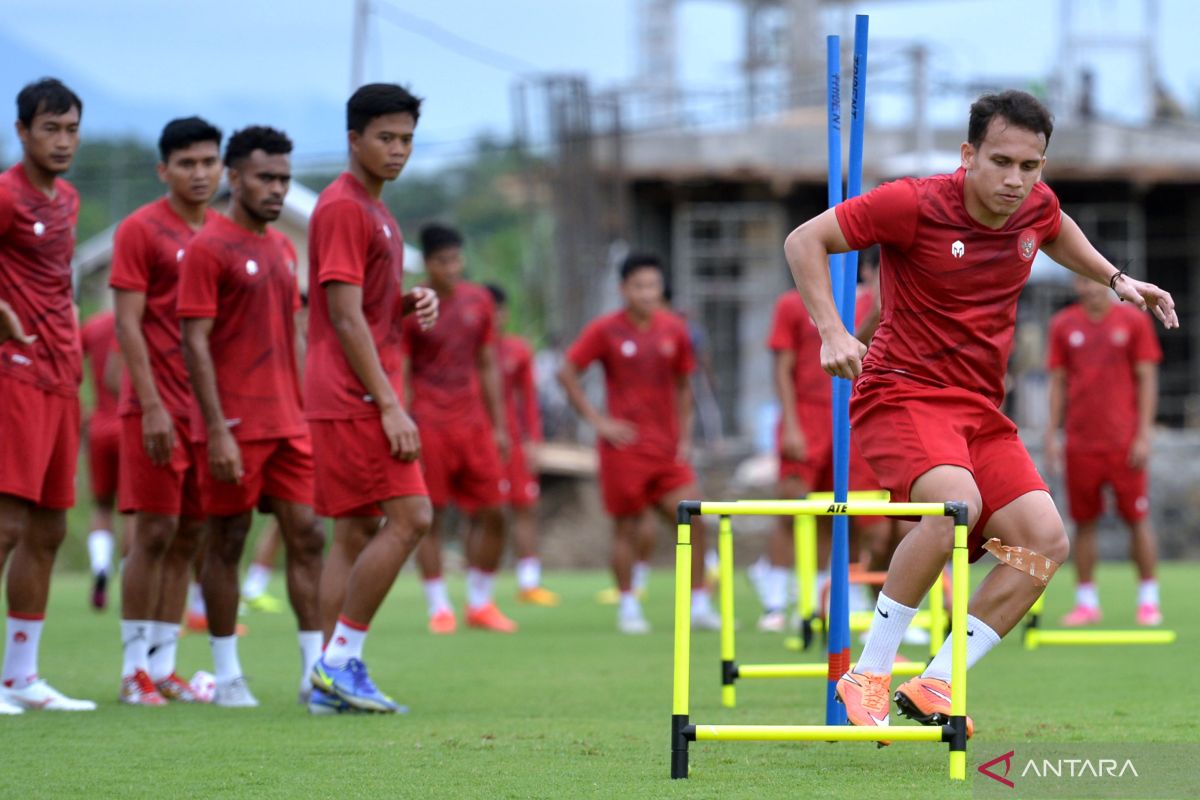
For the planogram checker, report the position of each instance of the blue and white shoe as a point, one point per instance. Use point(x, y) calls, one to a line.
point(322, 703)
point(353, 685)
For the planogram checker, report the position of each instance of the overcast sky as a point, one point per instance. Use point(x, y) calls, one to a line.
point(232, 59)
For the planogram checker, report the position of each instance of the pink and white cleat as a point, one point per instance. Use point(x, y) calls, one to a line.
point(1148, 614)
point(1081, 615)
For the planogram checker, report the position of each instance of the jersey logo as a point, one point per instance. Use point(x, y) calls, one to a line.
point(628, 348)
point(179, 255)
point(252, 267)
point(1075, 339)
point(1027, 244)
point(39, 228)
point(387, 231)
point(1120, 336)
point(957, 249)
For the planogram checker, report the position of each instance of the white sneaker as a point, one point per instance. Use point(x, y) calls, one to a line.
point(41, 695)
point(773, 622)
point(631, 624)
point(705, 620)
point(6, 707)
point(915, 635)
point(234, 694)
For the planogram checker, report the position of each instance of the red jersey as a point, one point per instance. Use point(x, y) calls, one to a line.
point(948, 285)
point(99, 336)
point(641, 366)
point(443, 361)
point(37, 240)
point(147, 250)
point(246, 283)
point(1099, 358)
point(793, 329)
point(352, 238)
point(522, 416)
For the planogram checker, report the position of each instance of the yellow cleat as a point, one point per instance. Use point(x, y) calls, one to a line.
point(611, 596)
point(267, 604)
point(538, 596)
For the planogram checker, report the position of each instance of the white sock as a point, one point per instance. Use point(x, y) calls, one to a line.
point(345, 644)
point(1087, 596)
point(225, 658)
point(775, 588)
point(641, 574)
point(629, 606)
point(980, 639)
point(883, 641)
point(100, 550)
point(529, 573)
point(757, 573)
point(436, 596)
point(1148, 592)
point(310, 651)
point(701, 602)
point(21, 652)
point(255, 583)
point(480, 586)
point(164, 639)
point(196, 600)
point(135, 645)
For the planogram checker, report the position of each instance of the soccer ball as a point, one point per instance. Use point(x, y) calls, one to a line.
point(204, 686)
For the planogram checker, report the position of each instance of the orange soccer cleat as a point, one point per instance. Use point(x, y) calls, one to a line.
point(138, 690)
point(538, 596)
point(490, 618)
point(865, 695)
point(927, 700)
point(443, 622)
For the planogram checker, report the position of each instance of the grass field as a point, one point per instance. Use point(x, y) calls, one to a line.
point(566, 708)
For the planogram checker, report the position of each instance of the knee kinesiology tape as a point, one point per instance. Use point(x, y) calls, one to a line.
point(1037, 566)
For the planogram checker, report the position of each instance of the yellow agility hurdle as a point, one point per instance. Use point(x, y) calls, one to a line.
point(683, 731)
point(1036, 636)
point(805, 532)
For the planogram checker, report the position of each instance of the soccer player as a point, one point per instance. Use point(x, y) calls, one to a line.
point(41, 365)
point(453, 378)
point(523, 420)
point(365, 446)
point(644, 438)
point(1103, 361)
point(159, 462)
point(103, 442)
point(238, 296)
point(956, 251)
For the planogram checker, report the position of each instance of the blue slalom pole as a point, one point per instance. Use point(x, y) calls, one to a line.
point(838, 619)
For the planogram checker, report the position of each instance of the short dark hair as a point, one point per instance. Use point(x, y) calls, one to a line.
point(436, 236)
point(499, 296)
point(635, 261)
point(1020, 108)
point(256, 137)
point(45, 96)
point(182, 133)
point(377, 99)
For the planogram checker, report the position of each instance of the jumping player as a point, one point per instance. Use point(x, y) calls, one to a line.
point(957, 250)
point(524, 422)
point(644, 439)
point(159, 462)
point(238, 296)
point(365, 446)
point(41, 366)
point(1103, 361)
point(103, 426)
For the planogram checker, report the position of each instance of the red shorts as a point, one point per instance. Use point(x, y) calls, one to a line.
point(39, 444)
point(104, 458)
point(355, 469)
point(1088, 472)
point(905, 429)
point(520, 486)
point(462, 466)
point(632, 482)
point(278, 468)
point(173, 490)
point(816, 470)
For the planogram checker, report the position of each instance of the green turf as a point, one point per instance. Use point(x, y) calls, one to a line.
point(566, 708)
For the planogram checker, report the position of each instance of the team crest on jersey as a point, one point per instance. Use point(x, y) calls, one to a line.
point(957, 249)
point(1027, 244)
point(179, 255)
point(628, 348)
point(252, 267)
point(39, 228)
point(1075, 339)
point(387, 231)
point(1120, 336)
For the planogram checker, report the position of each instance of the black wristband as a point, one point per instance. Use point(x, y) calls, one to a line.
point(1112, 282)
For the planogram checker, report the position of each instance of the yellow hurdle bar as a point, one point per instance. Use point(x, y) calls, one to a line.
point(725, 565)
point(816, 733)
point(814, 670)
point(958, 653)
point(820, 508)
point(1035, 637)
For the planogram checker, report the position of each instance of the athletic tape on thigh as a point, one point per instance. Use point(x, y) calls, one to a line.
point(1040, 568)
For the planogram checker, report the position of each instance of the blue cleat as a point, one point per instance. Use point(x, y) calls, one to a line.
point(321, 703)
point(353, 685)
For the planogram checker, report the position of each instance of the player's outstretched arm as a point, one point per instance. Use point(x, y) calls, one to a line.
point(345, 314)
point(1073, 250)
point(808, 249)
